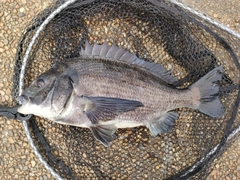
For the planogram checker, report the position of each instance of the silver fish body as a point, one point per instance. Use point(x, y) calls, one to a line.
point(109, 88)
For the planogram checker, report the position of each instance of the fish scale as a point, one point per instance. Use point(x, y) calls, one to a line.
point(107, 84)
point(109, 88)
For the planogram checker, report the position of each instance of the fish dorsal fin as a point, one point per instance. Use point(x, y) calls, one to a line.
point(115, 53)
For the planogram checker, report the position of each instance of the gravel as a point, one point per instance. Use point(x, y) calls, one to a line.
point(17, 160)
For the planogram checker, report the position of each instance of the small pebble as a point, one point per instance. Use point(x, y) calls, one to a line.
point(21, 9)
point(11, 140)
point(5, 41)
point(1, 44)
point(11, 170)
point(33, 163)
point(215, 15)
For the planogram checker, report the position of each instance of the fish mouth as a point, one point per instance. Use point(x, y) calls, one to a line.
point(23, 99)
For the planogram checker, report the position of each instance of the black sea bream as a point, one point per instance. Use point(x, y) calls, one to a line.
point(108, 88)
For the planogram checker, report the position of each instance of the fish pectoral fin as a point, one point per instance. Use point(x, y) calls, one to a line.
point(104, 133)
point(163, 124)
point(105, 108)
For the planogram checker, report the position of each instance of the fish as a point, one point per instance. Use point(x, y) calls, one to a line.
point(108, 87)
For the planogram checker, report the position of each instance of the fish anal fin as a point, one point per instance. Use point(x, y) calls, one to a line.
point(163, 124)
point(104, 133)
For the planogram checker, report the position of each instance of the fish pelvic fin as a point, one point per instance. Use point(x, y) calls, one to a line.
point(163, 124)
point(205, 93)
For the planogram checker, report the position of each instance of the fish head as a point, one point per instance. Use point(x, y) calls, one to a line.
point(37, 98)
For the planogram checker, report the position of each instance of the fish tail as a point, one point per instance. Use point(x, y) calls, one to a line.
point(205, 93)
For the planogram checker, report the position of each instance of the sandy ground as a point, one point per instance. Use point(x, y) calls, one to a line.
point(17, 160)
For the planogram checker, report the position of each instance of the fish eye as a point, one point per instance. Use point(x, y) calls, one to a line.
point(40, 83)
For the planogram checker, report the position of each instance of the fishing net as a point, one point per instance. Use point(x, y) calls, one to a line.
point(158, 31)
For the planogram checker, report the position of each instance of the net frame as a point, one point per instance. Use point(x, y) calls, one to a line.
point(191, 171)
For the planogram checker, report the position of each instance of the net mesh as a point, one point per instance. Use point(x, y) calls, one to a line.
point(156, 31)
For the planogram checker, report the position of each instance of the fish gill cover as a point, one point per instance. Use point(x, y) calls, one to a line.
point(156, 31)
